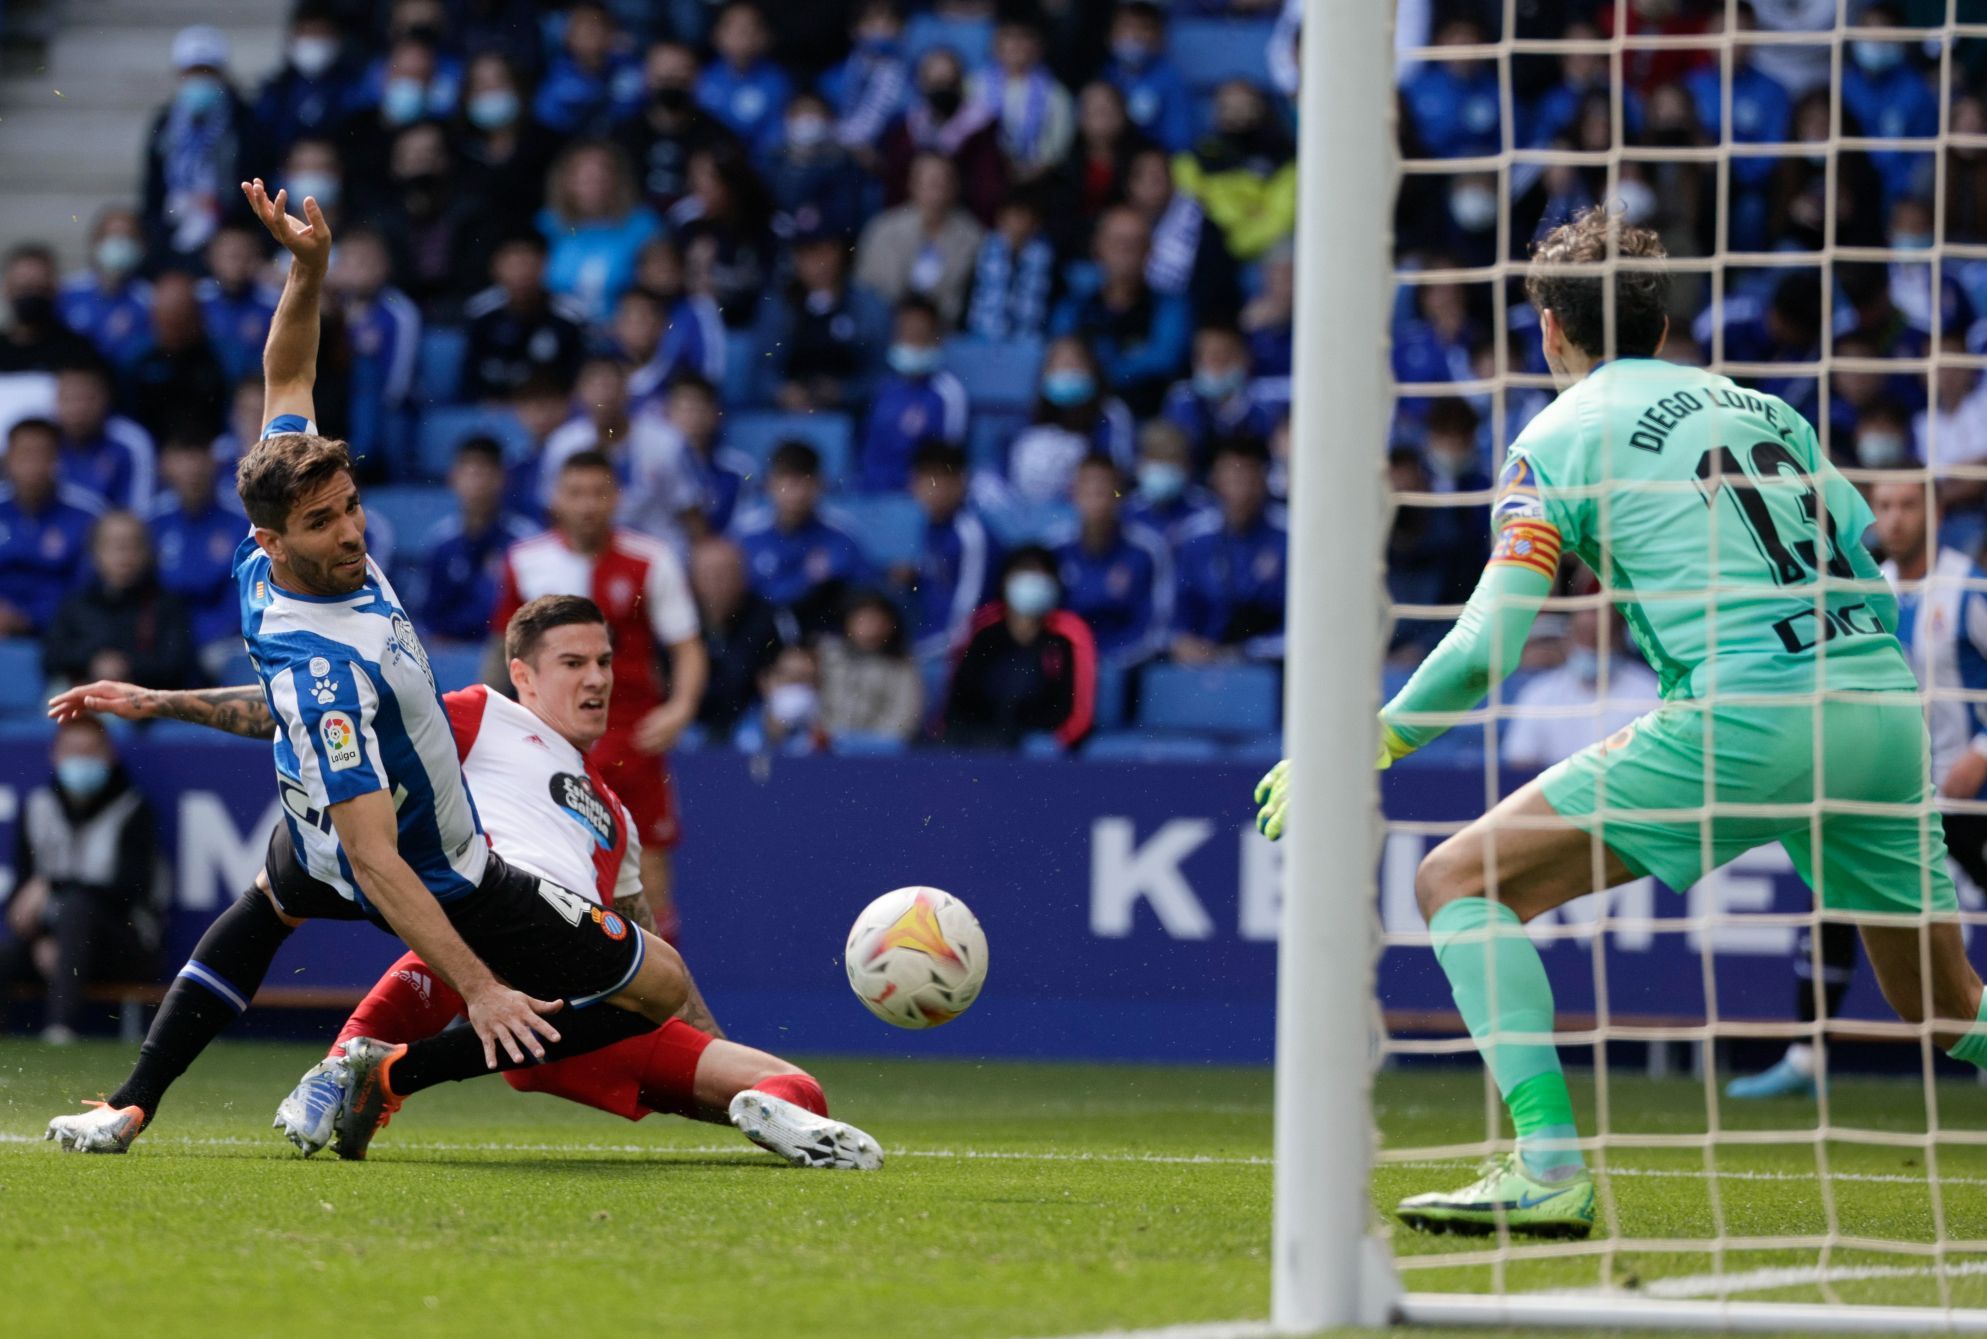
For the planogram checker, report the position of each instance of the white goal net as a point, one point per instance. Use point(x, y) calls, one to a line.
point(1818, 176)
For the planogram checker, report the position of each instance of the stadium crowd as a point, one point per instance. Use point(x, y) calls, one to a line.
point(948, 344)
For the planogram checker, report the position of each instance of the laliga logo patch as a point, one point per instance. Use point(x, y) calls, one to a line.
point(576, 796)
point(609, 922)
point(406, 643)
point(341, 741)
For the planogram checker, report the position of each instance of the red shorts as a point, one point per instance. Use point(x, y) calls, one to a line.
point(656, 1071)
point(642, 781)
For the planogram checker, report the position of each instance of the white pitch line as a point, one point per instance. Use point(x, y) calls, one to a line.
point(1685, 1286)
point(1220, 1329)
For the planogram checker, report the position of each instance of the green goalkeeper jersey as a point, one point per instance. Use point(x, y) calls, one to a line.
point(1733, 548)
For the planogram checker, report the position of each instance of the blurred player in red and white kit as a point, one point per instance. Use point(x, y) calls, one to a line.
point(638, 583)
point(548, 812)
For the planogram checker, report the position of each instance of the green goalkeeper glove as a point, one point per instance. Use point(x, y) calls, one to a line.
point(1271, 793)
point(1392, 747)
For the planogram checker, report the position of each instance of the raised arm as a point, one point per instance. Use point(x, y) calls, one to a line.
point(239, 711)
point(289, 358)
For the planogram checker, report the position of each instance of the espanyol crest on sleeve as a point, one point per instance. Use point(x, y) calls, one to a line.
point(407, 643)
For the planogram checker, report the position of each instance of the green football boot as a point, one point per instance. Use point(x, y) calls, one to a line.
point(1505, 1190)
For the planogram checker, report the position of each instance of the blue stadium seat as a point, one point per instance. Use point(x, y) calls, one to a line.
point(445, 428)
point(889, 526)
point(971, 38)
point(1211, 50)
point(1219, 699)
point(1110, 710)
point(1132, 746)
point(988, 435)
point(20, 677)
point(411, 510)
point(744, 370)
point(438, 365)
point(997, 374)
point(455, 666)
point(1263, 750)
point(867, 746)
point(757, 432)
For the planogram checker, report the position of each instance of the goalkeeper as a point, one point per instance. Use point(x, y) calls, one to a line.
point(1734, 550)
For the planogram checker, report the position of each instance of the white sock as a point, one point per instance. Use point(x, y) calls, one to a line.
point(1801, 1055)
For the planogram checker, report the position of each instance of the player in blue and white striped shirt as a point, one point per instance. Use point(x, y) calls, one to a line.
point(378, 822)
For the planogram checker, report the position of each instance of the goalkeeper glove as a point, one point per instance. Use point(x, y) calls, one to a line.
point(1392, 747)
point(1271, 792)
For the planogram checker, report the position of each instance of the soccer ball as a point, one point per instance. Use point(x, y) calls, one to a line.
point(916, 957)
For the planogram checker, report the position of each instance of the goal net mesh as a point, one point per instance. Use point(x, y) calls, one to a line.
point(1825, 248)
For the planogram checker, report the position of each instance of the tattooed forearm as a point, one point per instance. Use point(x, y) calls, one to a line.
point(240, 711)
point(636, 910)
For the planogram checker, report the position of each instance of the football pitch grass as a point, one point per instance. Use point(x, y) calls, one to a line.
point(1017, 1200)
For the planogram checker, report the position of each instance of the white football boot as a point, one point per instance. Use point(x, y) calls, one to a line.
point(102, 1129)
point(801, 1137)
point(307, 1117)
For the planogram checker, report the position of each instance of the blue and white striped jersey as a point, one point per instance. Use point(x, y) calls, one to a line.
point(1942, 626)
point(348, 682)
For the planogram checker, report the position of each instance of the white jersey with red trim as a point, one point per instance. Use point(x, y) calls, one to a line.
point(545, 808)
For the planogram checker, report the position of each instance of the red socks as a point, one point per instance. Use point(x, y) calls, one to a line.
point(799, 1089)
point(408, 1003)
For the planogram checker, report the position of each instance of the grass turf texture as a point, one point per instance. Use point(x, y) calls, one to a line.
point(1018, 1200)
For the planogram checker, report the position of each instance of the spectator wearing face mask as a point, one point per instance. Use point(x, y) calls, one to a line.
point(413, 87)
point(438, 237)
point(235, 302)
point(870, 686)
point(121, 623)
point(194, 156)
point(90, 886)
point(1156, 95)
point(1219, 399)
point(1891, 100)
point(1028, 667)
point(1613, 687)
point(744, 88)
point(1882, 439)
point(788, 718)
point(1075, 416)
point(313, 170)
point(592, 80)
point(916, 401)
point(107, 303)
point(942, 119)
point(35, 339)
point(1244, 173)
point(316, 88)
point(670, 127)
point(1164, 497)
point(45, 529)
point(501, 150)
point(815, 183)
point(870, 88)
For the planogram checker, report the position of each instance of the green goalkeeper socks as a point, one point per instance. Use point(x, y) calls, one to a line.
point(1484, 952)
point(1972, 1048)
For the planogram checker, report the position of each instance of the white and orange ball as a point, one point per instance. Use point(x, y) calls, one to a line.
point(916, 957)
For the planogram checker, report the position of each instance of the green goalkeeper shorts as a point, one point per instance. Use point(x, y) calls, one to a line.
point(1690, 786)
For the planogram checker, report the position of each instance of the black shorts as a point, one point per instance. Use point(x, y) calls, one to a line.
point(537, 937)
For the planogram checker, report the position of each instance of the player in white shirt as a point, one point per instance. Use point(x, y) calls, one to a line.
point(1542, 731)
point(548, 810)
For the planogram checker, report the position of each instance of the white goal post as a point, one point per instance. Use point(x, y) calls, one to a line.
point(1330, 1256)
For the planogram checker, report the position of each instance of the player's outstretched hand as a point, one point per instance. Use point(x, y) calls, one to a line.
point(513, 1019)
point(126, 701)
point(1271, 793)
point(307, 238)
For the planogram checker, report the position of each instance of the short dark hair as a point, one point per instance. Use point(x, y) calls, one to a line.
point(936, 454)
point(586, 460)
point(1100, 460)
point(34, 423)
point(526, 237)
point(40, 252)
point(1035, 556)
point(482, 447)
point(1242, 447)
point(795, 457)
point(693, 381)
point(1452, 413)
point(917, 304)
point(529, 625)
point(278, 470)
point(1641, 295)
